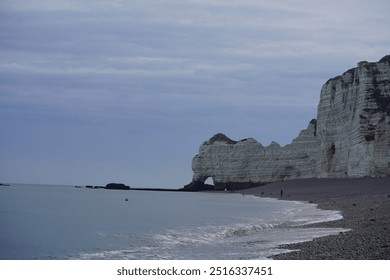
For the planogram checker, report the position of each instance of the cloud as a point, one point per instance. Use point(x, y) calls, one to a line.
point(175, 69)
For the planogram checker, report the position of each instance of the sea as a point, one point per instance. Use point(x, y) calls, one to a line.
point(45, 222)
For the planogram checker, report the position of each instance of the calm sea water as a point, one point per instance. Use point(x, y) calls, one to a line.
point(63, 222)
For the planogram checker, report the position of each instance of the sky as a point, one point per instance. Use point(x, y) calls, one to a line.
point(95, 91)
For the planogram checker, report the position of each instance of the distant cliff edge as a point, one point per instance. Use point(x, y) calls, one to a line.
point(349, 138)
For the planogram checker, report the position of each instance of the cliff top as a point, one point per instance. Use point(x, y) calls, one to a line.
point(220, 137)
point(385, 59)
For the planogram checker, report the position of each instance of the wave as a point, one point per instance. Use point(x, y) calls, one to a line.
point(250, 238)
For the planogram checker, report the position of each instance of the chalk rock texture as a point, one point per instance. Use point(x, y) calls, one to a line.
point(349, 138)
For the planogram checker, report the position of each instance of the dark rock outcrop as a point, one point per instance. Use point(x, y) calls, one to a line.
point(117, 186)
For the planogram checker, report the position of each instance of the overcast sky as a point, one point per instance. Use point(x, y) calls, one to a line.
point(95, 91)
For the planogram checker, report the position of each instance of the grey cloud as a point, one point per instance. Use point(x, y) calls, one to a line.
point(172, 69)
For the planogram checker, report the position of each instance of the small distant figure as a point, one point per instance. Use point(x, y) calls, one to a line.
point(281, 193)
point(126, 199)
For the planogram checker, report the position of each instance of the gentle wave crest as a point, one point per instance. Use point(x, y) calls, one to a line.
point(255, 238)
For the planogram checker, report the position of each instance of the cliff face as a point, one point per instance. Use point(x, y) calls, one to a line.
point(353, 123)
point(349, 138)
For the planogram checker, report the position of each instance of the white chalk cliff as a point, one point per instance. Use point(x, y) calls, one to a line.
point(349, 138)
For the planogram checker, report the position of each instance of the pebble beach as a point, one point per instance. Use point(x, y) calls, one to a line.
point(364, 204)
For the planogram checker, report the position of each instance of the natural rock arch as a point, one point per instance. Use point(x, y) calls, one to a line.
point(349, 138)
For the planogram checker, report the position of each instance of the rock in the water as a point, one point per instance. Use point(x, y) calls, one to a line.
point(116, 186)
point(349, 138)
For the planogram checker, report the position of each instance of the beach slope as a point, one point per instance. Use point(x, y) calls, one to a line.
point(364, 204)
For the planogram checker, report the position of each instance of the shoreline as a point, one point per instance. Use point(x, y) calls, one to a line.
point(364, 204)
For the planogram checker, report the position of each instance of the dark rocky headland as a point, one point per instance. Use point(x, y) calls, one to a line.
point(121, 186)
point(109, 186)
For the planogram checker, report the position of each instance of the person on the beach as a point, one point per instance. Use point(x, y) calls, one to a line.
point(281, 193)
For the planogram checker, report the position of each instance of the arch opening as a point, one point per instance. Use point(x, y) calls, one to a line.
point(209, 181)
